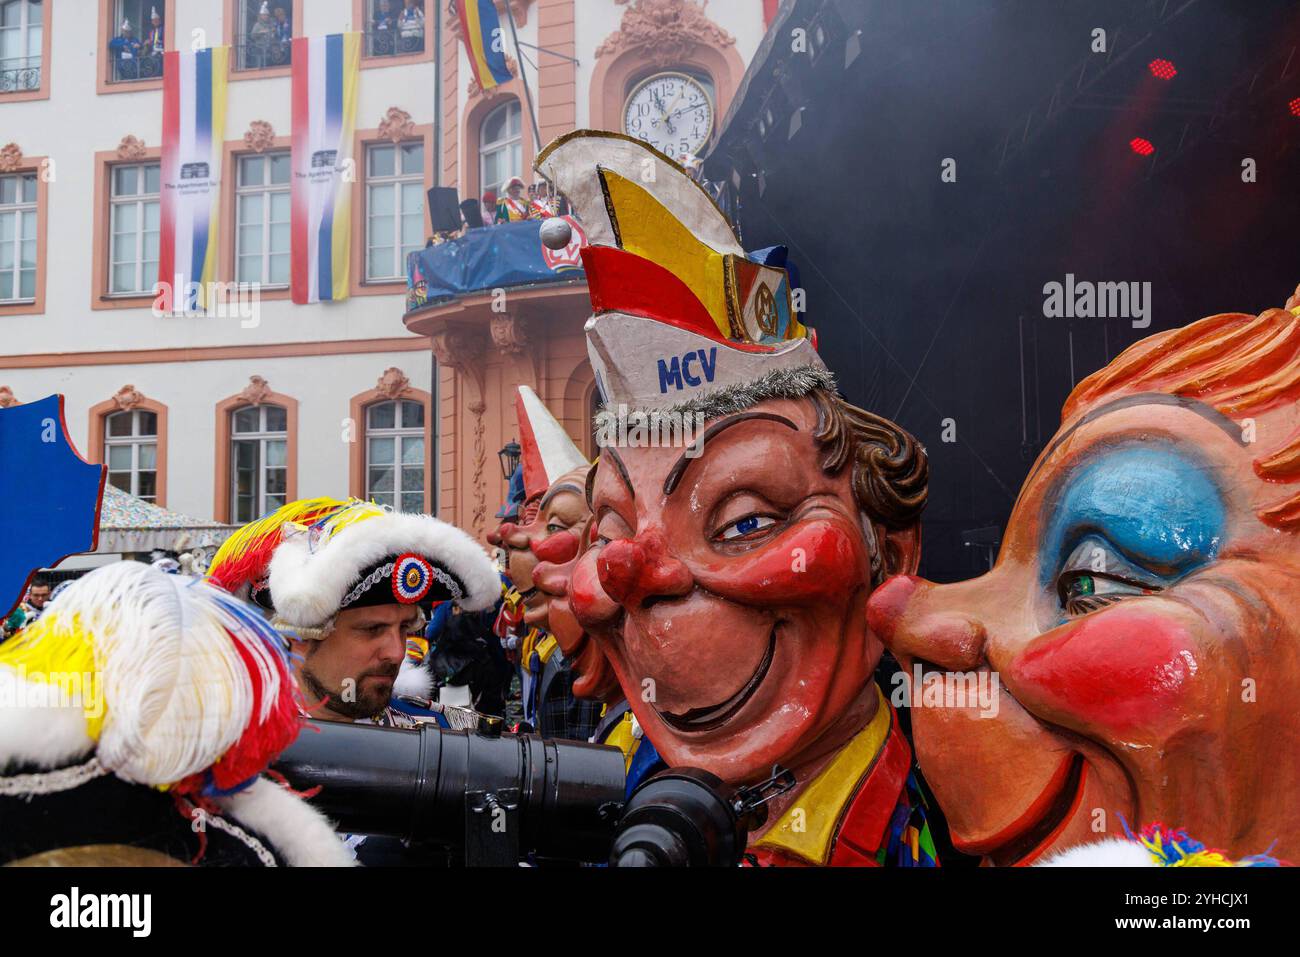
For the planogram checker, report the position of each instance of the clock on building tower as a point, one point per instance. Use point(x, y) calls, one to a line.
point(673, 112)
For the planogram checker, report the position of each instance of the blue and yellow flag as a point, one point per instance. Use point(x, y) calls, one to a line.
point(484, 41)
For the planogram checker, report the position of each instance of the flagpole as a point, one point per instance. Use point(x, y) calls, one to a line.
point(523, 76)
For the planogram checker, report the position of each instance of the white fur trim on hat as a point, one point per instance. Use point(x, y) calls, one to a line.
point(308, 587)
point(1111, 852)
point(297, 830)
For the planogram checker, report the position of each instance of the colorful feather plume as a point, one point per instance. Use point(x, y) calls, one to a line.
point(245, 556)
point(182, 686)
point(1174, 847)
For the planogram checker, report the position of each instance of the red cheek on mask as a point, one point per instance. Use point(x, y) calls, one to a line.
point(1119, 670)
point(556, 549)
point(815, 561)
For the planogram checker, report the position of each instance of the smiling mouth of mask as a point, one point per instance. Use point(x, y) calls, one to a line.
point(706, 719)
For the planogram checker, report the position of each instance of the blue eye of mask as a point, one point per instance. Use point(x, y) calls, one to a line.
point(1157, 506)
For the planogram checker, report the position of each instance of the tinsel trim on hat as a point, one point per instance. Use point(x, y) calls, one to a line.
point(774, 384)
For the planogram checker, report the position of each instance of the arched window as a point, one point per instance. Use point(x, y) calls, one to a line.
point(131, 452)
point(500, 146)
point(395, 455)
point(259, 461)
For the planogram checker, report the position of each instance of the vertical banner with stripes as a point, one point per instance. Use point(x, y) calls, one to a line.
point(480, 28)
point(193, 135)
point(325, 72)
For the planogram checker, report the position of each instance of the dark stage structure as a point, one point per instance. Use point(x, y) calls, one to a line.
point(933, 165)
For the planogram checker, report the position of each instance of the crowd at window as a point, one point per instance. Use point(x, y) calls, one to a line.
point(268, 36)
point(137, 54)
point(396, 27)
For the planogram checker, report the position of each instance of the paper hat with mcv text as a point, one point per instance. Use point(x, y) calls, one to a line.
point(683, 320)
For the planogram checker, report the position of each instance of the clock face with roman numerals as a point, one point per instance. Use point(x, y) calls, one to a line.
point(670, 111)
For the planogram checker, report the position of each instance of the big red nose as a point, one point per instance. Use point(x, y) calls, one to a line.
point(937, 623)
point(885, 607)
point(557, 549)
point(633, 571)
point(619, 568)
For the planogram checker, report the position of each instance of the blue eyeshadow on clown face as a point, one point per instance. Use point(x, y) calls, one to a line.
point(1155, 505)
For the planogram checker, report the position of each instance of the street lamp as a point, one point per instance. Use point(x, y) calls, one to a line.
point(509, 457)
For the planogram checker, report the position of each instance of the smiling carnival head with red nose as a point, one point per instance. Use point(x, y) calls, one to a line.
point(734, 546)
point(729, 590)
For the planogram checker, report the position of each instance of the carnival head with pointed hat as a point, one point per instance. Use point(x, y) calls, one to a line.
point(343, 579)
point(554, 509)
point(732, 574)
point(682, 319)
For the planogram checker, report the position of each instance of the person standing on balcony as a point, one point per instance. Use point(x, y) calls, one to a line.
point(283, 31)
point(541, 205)
point(125, 48)
point(514, 206)
point(261, 38)
point(384, 30)
point(410, 27)
point(154, 43)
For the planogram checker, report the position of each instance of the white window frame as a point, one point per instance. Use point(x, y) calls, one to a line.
point(510, 142)
point(28, 60)
point(136, 441)
point(266, 189)
point(22, 212)
point(144, 285)
point(395, 184)
point(261, 437)
point(399, 433)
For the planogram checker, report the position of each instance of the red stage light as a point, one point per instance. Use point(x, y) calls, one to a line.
point(1295, 106)
point(1162, 69)
point(1141, 147)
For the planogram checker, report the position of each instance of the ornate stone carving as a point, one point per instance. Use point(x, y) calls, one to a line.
point(474, 89)
point(479, 518)
point(260, 136)
point(257, 391)
point(509, 333)
point(518, 7)
point(458, 349)
point(664, 31)
point(462, 350)
point(128, 397)
point(7, 400)
point(393, 383)
point(396, 125)
point(11, 157)
point(131, 148)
